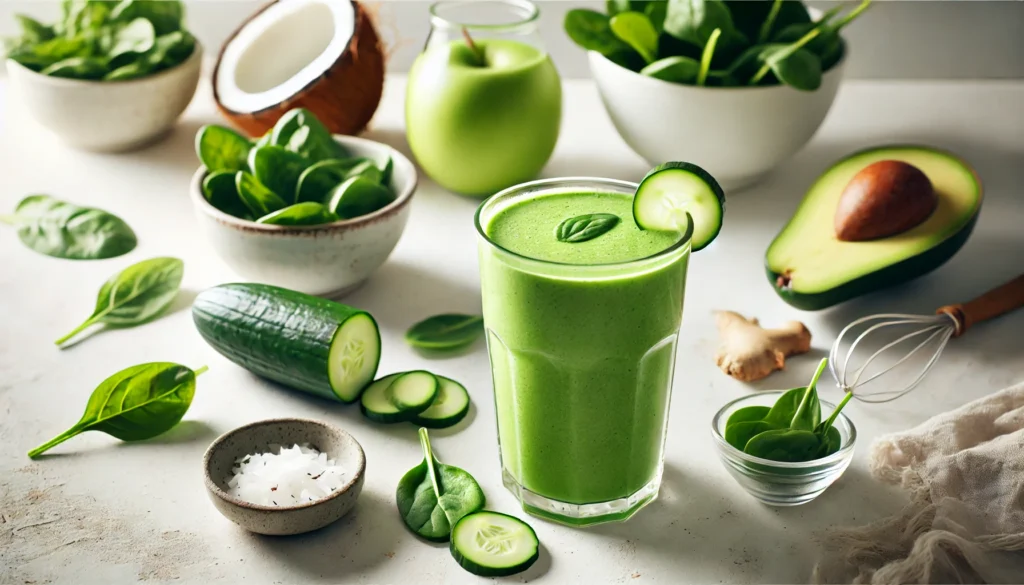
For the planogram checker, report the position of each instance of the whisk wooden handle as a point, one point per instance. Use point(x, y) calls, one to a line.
point(995, 302)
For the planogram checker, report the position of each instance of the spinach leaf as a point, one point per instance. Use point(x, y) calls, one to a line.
point(785, 445)
point(738, 434)
point(317, 181)
point(220, 190)
point(791, 64)
point(256, 197)
point(693, 21)
point(705, 59)
point(166, 15)
point(636, 30)
point(592, 31)
point(446, 331)
point(656, 12)
point(138, 36)
point(306, 213)
point(433, 496)
point(585, 227)
point(750, 17)
point(62, 230)
point(359, 196)
point(77, 68)
point(748, 414)
point(278, 169)
point(830, 438)
point(386, 172)
point(222, 149)
point(33, 31)
point(808, 411)
point(299, 131)
point(136, 295)
point(674, 69)
point(135, 404)
point(782, 412)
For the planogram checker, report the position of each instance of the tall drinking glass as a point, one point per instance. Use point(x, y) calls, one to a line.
point(582, 353)
point(484, 102)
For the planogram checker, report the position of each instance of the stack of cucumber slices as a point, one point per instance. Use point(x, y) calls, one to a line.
point(680, 197)
point(419, 397)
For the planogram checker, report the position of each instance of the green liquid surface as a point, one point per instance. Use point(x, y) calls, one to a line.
point(582, 366)
point(527, 227)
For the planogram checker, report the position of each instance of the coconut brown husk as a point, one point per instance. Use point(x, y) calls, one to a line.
point(344, 97)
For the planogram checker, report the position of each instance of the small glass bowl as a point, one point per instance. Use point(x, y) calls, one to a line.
point(778, 483)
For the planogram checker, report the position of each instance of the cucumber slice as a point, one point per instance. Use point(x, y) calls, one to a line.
point(375, 405)
point(412, 392)
point(491, 544)
point(672, 190)
point(449, 407)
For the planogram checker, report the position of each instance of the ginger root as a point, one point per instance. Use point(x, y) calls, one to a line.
point(749, 352)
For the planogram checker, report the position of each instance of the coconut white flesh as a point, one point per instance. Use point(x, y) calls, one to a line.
point(281, 51)
point(285, 476)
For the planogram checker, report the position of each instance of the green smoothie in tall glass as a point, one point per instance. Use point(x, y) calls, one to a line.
point(582, 339)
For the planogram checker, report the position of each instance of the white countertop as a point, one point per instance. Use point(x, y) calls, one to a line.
point(101, 511)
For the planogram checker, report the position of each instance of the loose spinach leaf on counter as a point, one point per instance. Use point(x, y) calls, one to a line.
point(135, 404)
point(135, 295)
point(446, 331)
point(433, 496)
point(585, 227)
point(63, 230)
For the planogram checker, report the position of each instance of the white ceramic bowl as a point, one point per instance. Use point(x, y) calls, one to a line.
point(738, 134)
point(328, 260)
point(108, 116)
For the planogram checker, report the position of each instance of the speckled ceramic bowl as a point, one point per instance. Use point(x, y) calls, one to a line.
point(330, 259)
point(256, 438)
point(108, 116)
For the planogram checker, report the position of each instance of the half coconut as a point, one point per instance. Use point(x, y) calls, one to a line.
point(322, 55)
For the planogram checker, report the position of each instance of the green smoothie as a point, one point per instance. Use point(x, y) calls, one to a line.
point(480, 122)
point(582, 340)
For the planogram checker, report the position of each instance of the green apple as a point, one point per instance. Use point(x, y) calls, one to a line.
point(485, 119)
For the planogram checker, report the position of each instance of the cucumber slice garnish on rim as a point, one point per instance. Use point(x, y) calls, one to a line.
point(449, 406)
point(673, 190)
point(491, 544)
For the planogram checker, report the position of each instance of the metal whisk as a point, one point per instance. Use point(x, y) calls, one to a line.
point(929, 331)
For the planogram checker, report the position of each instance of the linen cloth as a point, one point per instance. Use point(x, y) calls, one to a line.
point(964, 471)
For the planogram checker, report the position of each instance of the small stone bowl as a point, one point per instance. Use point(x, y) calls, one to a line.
point(257, 437)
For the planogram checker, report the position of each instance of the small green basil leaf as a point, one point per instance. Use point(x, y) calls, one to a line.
point(137, 36)
point(358, 196)
point(63, 230)
point(306, 213)
point(676, 70)
point(220, 190)
point(740, 433)
point(77, 68)
point(585, 227)
point(135, 404)
point(447, 331)
point(636, 30)
point(747, 414)
point(136, 295)
point(785, 445)
point(279, 169)
point(222, 149)
point(259, 200)
point(592, 31)
point(433, 496)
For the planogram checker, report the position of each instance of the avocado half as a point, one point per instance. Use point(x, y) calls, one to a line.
point(811, 269)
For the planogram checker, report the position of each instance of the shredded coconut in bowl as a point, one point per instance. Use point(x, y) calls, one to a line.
point(285, 476)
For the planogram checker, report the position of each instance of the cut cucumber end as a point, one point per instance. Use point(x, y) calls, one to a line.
point(672, 190)
point(375, 405)
point(354, 356)
point(412, 392)
point(491, 544)
point(450, 406)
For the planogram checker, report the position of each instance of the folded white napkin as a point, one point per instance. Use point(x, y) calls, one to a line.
point(964, 471)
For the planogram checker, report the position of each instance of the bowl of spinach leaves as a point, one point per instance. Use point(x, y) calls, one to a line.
point(299, 207)
point(734, 86)
point(107, 76)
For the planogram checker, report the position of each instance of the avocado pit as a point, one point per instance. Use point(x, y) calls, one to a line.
point(885, 198)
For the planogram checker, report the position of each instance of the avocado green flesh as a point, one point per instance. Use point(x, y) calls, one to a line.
point(811, 269)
